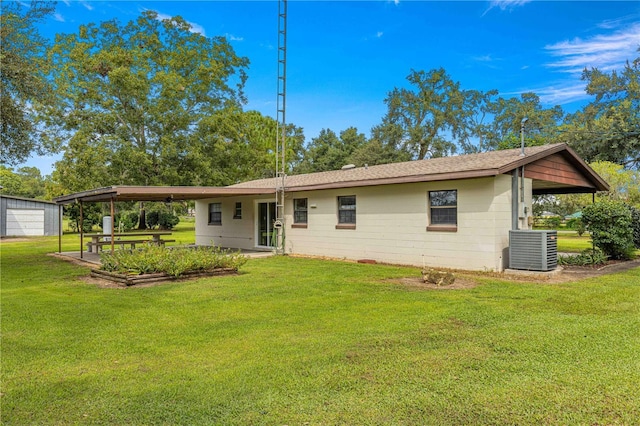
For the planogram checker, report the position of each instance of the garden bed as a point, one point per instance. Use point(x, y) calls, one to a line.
point(127, 280)
point(152, 264)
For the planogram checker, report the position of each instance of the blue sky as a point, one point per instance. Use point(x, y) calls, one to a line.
point(344, 57)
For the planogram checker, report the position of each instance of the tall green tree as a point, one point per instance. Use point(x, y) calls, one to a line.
point(24, 182)
point(130, 99)
point(23, 83)
point(385, 146)
point(540, 127)
point(477, 133)
point(608, 128)
point(234, 146)
point(330, 152)
point(430, 114)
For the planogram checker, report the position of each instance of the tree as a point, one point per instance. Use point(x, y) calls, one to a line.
point(233, 146)
point(608, 128)
point(383, 147)
point(25, 182)
point(479, 109)
point(540, 127)
point(23, 83)
point(330, 152)
point(610, 224)
point(429, 115)
point(130, 99)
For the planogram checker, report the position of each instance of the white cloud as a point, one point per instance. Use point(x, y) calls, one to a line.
point(562, 94)
point(483, 58)
point(231, 37)
point(505, 4)
point(86, 5)
point(195, 28)
point(603, 51)
point(379, 34)
point(58, 17)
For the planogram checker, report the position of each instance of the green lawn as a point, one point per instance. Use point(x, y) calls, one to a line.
point(571, 242)
point(299, 341)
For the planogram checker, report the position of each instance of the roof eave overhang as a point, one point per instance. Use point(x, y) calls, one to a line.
point(396, 180)
point(157, 193)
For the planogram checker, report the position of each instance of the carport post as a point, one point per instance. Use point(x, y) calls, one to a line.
point(59, 228)
point(81, 230)
point(113, 223)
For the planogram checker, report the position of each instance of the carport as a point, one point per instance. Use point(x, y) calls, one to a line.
point(111, 194)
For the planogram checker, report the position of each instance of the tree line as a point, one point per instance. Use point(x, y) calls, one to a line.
point(149, 102)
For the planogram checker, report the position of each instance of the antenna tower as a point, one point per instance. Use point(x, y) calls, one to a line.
point(281, 131)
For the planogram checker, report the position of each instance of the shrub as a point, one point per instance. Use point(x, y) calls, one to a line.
point(162, 217)
point(577, 225)
point(609, 223)
point(585, 258)
point(553, 222)
point(635, 224)
point(174, 261)
point(127, 220)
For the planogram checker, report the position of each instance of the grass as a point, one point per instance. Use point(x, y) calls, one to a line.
point(302, 341)
point(571, 242)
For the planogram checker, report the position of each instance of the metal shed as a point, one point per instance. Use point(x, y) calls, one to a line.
point(22, 217)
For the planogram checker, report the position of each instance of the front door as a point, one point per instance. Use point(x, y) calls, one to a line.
point(266, 217)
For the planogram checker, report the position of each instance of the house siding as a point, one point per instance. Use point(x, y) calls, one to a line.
point(391, 224)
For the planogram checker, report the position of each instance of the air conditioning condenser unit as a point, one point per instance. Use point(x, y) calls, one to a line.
point(533, 250)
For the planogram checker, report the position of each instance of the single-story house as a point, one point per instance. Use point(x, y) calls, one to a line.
point(452, 212)
point(21, 217)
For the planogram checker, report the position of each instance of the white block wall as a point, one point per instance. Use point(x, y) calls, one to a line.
point(391, 224)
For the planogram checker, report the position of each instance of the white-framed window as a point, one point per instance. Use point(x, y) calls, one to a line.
point(300, 206)
point(237, 213)
point(215, 213)
point(443, 208)
point(347, 210)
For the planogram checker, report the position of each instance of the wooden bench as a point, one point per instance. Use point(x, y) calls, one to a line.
point(100, 244)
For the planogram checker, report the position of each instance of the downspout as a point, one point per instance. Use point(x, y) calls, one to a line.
point(524, 120)
point(514, 199)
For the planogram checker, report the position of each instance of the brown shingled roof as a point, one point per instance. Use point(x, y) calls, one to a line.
point(436, 169)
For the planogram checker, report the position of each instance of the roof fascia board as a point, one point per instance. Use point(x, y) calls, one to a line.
point(397, 180)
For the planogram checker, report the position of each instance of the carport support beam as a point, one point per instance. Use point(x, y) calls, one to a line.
point(59, 228)
point(113, 223)
point(81, 230)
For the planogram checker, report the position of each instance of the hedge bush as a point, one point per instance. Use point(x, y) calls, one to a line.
point(609, 223)
point(635, 224)
point(161, 217)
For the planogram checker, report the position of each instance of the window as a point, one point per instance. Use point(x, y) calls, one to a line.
point(300, 210)
point(215, 214)
point(443, 209)
point(347, 210)
point(237, 213)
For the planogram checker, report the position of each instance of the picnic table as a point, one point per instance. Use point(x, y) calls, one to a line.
point(126, 238)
